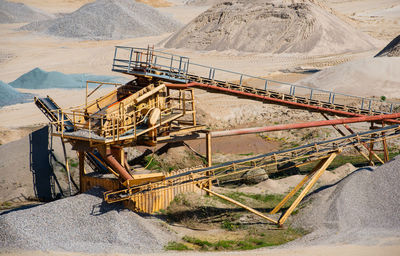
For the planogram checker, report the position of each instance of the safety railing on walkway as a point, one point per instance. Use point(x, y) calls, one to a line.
point(175, 68)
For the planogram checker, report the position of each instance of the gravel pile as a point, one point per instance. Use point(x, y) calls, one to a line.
point(108, 19)
point(40, 79)
point(19, 12)
point(363, 206)
point(391, 50)
point(10, 96)
point(271, 27)
point(82, 223)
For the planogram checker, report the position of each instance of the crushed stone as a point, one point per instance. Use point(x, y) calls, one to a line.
point(83, 223)
point(107, 19)
point(18, 12)
point(10, 96)
point(359, 208)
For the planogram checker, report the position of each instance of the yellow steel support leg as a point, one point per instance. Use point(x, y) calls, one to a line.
point(319, 170)
point(239, 204)
point(299, 186)
point(209, 158)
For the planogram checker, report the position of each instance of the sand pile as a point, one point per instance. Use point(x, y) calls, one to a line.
point(40, 79)
point(19, 12)
point(108, 19)
point(10, 96)
point(391, 50)
point(82, 223)
point(363, 77)
point(356, 209)
point(270, 27)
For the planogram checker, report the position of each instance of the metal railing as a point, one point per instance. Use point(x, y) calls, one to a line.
point(176, 68)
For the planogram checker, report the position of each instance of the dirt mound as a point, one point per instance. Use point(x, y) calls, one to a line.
point(357, 208)
point(10, 96)
point(270, 27)
point(40, 79)
point(19, 12)
point(83, 223)
point(363, 77)
point(391, 50)
point(203, 2)
point(108, 19)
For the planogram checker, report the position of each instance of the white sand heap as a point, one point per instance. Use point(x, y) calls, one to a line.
point(361, 207)
point(270, 27)
point(19, 12)
point(363, 77)
point(83, 223)
point(108, 19)
point(391, 50)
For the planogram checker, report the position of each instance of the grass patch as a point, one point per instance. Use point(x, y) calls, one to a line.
point(248, 242)
point(175, 246)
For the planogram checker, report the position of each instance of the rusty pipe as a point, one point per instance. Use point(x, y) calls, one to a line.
point(117, 166)
point(284, 102)
point(287, 127)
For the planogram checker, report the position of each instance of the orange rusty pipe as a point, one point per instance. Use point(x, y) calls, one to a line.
point(286, 127)
point(117, 166)
point(295, 104)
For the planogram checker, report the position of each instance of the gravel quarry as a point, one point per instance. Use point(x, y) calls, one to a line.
point(83, 223)
point(107, 19)
point(270, 27)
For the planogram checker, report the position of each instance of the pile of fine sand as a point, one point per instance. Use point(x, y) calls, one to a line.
point(391, 50)
point(18, 12)
point(363, 77)
point(358, 209)
point(108, 19)
point(270, 27)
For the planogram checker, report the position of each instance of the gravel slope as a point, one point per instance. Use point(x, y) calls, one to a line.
point(358, 209)
point(19, 12)
point(108, 19)
point(82, 223)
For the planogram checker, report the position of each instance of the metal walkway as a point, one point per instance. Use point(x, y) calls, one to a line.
point(178, 69)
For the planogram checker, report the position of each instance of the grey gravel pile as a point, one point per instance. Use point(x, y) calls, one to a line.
point(108, 19)
point(19, 12)
point(361, 208)
point(391, 50)
point(83, 223)
point(10, 96)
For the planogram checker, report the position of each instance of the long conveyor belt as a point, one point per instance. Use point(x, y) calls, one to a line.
point(174, 68)
point(306, 153)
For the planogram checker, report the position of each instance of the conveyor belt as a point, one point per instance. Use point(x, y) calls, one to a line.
point(53, 112)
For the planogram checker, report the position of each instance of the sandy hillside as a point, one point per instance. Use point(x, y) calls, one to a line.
point(271, 27)
point(363, 77)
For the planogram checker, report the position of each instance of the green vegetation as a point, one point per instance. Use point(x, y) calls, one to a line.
point(252, 240)
point(175, 246)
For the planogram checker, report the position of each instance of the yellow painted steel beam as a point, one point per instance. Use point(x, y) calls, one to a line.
point(239, 204)
point(321, 167)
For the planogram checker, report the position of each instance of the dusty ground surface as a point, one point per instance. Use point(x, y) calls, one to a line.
point(22, 51)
